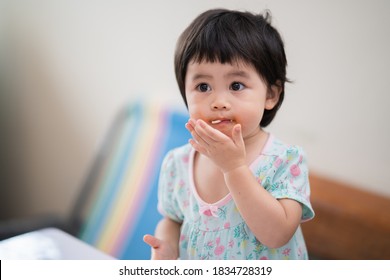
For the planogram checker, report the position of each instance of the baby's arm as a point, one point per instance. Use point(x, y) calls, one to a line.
point(272, 221)
point(165, 243)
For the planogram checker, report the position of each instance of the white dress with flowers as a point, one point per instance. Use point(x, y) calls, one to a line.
point(217, 231)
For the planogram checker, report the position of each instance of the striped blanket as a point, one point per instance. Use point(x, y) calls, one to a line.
point(123, 205)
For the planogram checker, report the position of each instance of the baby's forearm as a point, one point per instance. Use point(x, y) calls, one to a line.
point(168, 231)
point(272, 221)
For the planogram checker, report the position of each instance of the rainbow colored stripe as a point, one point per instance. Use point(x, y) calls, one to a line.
point(124, 205)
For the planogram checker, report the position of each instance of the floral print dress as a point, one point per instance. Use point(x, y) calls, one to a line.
point(217, 231)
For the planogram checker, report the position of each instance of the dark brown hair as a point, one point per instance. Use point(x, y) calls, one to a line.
point(227, 36)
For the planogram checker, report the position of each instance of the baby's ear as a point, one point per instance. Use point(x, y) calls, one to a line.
point(273, 95)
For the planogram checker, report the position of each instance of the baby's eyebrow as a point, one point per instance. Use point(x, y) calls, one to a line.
point(242, 74)
point(201, 77)
point(232, 74)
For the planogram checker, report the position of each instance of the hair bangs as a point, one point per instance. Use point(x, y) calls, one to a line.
point(218, 42)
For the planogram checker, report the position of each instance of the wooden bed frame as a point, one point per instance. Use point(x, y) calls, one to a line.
point(349, 224)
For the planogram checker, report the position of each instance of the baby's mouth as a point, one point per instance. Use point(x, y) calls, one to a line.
point(219, 121)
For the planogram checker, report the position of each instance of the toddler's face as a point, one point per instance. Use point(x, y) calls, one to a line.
point(223, 95)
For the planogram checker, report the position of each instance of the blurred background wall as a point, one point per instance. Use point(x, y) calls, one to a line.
point(67, 67)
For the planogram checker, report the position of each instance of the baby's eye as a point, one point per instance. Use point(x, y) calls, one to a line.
point(236, 86)
point(203, 87)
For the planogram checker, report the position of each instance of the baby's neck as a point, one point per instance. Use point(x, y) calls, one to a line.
point(255, 144)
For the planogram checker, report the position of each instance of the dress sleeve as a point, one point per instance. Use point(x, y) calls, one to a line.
point(291, 179)
point(168, 204)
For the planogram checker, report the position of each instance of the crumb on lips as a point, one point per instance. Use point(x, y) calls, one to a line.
point(219, 121)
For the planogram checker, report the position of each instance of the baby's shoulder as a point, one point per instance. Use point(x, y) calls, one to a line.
point(178, 156)
point(277, 148)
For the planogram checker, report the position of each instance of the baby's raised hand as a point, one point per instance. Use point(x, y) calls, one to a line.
point(226, 152)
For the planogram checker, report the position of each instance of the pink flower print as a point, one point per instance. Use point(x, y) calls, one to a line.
point(264, 258)
point(220, 248)
point(226, 225)
point(286, 251)
point(278, 162)
point(185, 158)
point(295, 170)
point(182, 237)
point(231, 243)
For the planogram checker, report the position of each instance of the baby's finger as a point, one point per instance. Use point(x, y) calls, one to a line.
point(152, 241)
point(194, 128)
point(199, 139)
point(190, 125)
point(201, 149)
point(208, 133)
point(237, 135)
